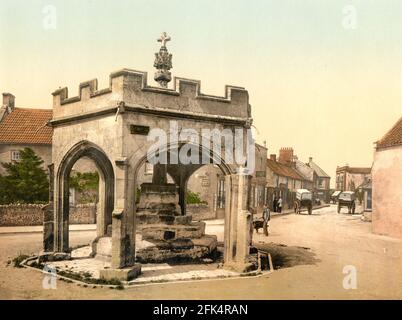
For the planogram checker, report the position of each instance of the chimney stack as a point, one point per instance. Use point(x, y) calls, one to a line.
point(8, 102)
point(310, 160)
point(286, 155)
point(273, 157)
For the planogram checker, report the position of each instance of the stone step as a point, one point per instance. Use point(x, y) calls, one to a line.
point(178, 250)
point(102, 248)
point(147, 218)
point(169, 206)
point(171, 232)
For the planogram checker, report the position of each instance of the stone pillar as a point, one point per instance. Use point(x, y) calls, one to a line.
point(183, 195)
point(101, 226)
point(229, 230)
point(238, 222)
point(160, 174)
point(243, 222)
point(48, 215)
point(123, 229)
point(123, 226)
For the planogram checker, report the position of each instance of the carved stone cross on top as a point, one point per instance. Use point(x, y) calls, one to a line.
point(164, 38)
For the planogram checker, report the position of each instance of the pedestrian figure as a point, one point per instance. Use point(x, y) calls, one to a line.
point(275, 204)
point(266, 214)
point(280, 204)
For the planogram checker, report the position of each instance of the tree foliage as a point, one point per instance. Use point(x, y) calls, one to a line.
point(25, 181)
point(194, 198)
point(87, 184)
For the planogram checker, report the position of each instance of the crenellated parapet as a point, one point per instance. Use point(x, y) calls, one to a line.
point(131, 87)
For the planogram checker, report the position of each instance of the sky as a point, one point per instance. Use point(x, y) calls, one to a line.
point(324, 77)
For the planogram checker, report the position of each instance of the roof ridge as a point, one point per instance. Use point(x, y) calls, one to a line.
point(388, 134)
point(32, 109)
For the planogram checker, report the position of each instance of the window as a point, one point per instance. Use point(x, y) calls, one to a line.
point(321, 183)
point(15, 155)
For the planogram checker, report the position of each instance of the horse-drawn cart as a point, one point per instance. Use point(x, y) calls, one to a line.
point(347, 199)
point(304, 199)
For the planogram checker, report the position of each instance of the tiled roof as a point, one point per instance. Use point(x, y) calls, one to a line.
point(393, 137)
point(283, 170)
point(318, 170)
point(26, 126)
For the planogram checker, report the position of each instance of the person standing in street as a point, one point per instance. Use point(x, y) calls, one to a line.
point(275, 204)
point(280, 204)
point(266, 214)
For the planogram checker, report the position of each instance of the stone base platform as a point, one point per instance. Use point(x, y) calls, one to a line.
point(171, 232)
point(149, 216)
point(178, 250)
point(125, 274)
point(81, 263)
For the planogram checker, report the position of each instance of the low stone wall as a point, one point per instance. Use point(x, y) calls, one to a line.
point(21, 215)
point(32, 214)
point(201, 212)
point(83, 214)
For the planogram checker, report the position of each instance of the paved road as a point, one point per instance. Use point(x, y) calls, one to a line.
point(335, 241)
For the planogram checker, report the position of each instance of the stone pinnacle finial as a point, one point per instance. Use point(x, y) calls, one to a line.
point(163, 62)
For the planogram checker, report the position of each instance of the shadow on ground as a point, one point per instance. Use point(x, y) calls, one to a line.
point(287, 257)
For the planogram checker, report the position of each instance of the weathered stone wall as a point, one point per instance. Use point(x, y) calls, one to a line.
point(201, 212)
point(32, 214)
point(21, 215)
point(83, 214)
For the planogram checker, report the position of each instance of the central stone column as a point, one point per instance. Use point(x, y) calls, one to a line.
point(238, 231)
point(173, 236)
point(160, 174)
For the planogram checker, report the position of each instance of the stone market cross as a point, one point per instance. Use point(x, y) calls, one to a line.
point(103, 126)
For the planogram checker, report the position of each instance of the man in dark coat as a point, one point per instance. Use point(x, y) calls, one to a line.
point(275, 204)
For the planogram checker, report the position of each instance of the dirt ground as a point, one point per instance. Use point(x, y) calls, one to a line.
point(309, 253)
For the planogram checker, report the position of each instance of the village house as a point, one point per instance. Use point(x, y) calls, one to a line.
point(321, 182)
point(306, 172)
point(21, 128)
point(27, 128)
point(387, 183)
point(351, 178)
point(282, 178)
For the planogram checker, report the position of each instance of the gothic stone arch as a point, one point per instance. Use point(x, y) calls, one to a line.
point(106, 194)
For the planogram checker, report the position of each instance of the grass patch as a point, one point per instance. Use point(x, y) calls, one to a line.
point(19, 259)
point(85, 277)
